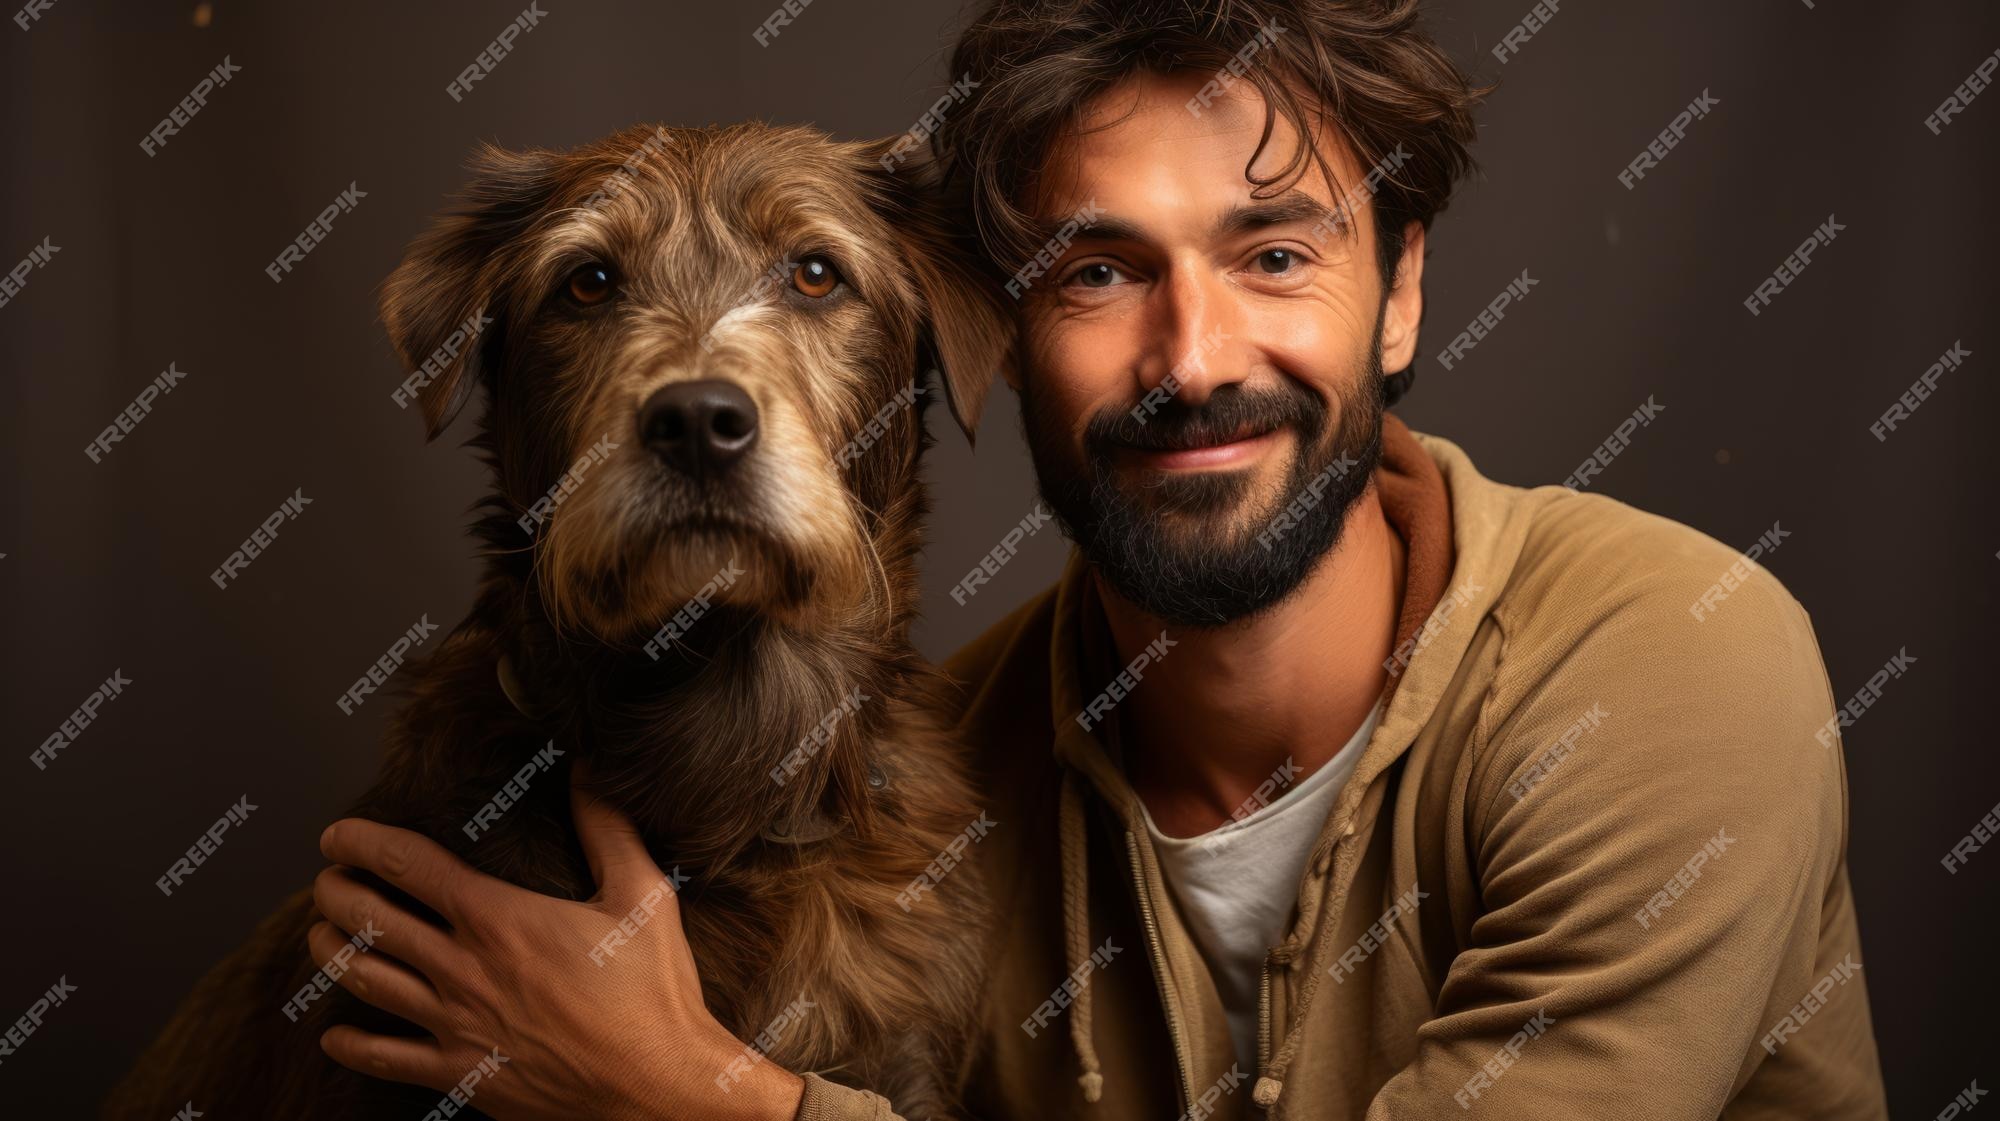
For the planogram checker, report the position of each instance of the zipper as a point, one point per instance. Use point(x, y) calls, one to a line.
point(1174, 1027)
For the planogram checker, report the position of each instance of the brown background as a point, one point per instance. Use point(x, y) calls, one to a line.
point(1766, 419)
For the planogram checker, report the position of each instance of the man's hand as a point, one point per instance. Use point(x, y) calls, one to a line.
point(584, 1026)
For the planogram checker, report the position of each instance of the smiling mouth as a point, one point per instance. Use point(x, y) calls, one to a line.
point(1200, 452)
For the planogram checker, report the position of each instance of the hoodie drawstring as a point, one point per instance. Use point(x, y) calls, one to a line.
point(1076, 930)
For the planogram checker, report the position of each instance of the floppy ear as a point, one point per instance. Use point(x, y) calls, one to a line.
point(440, 301)
point(967, 330)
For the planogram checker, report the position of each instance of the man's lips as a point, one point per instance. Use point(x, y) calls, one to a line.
point(1234, 451)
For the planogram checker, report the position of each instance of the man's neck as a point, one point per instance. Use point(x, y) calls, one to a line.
point(1232, 705)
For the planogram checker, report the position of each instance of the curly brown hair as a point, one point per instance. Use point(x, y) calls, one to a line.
point(1364, 67)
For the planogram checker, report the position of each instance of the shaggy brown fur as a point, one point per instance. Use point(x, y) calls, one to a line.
point(826, 533)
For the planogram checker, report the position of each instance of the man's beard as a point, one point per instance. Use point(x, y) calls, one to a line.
point(1200, 549)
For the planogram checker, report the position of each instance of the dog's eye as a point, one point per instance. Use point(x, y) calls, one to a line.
point(590, 284)
point(815, 277)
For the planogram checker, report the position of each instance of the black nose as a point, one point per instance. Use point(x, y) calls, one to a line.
point(699, 427)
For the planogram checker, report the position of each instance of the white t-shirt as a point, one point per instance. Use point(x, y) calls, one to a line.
point(1237, 885)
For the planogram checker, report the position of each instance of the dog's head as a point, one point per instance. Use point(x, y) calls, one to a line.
point(702, 352)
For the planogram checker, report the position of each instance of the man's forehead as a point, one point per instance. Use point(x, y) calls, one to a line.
point(1145, 127)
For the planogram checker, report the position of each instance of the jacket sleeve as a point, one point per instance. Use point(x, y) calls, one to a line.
point(1658, 910)
point(829, 1101)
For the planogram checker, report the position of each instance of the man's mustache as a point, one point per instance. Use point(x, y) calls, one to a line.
point(1232, 412)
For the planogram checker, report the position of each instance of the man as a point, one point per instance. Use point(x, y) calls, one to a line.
point(1333, 779)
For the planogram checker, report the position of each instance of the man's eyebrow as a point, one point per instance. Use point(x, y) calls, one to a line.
point(1109, 229)
point(1292, 206)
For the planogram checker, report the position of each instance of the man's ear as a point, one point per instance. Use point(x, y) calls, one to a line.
point(967, 331)
point(439, 302)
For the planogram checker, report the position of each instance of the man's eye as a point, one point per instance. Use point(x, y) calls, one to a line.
point(1277, 261)
point(1098, 274)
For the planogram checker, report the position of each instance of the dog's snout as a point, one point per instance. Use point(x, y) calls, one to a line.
point(699, 427)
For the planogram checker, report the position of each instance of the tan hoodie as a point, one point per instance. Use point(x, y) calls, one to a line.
point(1591, 863)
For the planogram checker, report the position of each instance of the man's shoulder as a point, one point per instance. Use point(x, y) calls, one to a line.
point(1585, 558)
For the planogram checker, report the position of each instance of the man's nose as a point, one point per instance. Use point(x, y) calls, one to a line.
point(1199, 332)
point(699, 428)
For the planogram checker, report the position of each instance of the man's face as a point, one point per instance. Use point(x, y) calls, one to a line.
point(1201, 385)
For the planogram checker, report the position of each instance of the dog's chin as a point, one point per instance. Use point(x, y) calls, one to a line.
point(662, 589)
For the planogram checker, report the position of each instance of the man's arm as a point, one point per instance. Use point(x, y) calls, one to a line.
point(524, 1021)
point(1664, 910)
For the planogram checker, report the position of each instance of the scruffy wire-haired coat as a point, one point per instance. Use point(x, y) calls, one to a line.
point(705, 356)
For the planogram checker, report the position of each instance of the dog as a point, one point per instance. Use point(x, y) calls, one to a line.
point(705, 358)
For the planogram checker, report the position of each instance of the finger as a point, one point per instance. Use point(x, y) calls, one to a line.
point(419, 1061)
point(415, 863)
point(610, 841)
point(376, 979)
point(360, 910)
